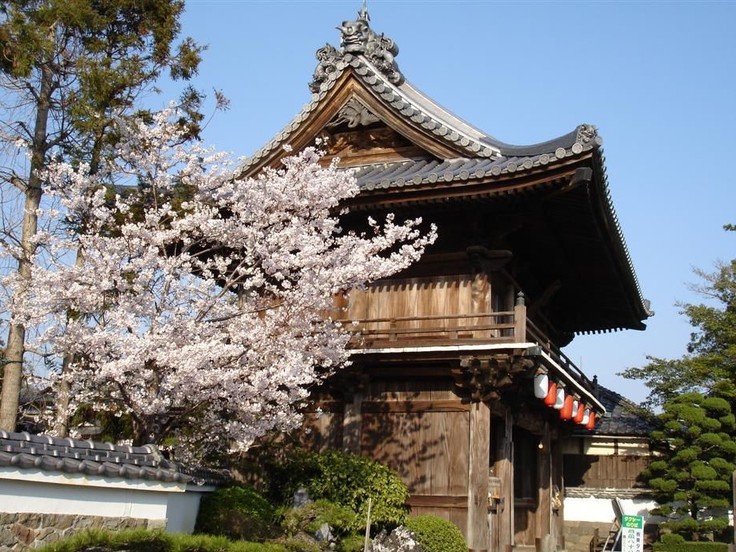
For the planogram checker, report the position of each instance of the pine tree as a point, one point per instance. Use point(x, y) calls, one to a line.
point(69, 69)
point(692, 478)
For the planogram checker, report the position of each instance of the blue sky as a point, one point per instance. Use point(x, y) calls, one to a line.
point(658, 79)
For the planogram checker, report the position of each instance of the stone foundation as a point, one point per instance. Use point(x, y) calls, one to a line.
point(28, 531)
point(578, 535)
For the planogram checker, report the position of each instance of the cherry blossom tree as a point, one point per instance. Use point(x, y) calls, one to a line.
point(203, 303)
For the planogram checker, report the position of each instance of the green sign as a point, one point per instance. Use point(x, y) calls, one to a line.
point(632, 522)
point(632, 534)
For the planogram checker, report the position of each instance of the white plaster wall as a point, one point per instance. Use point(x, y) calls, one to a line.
point(36, 491)
point(182, 511)
point(32, 496)
point(601, 509)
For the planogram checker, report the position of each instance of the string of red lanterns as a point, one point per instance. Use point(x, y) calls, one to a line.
point(570, 407)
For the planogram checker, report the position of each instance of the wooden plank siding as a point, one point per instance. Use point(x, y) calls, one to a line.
point(433, 461)
point(606, 472)
point(427, 310)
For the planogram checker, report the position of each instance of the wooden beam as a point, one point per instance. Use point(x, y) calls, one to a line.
point(505, 471)
point(415, 406)
point(544, 479)
point(438, 501)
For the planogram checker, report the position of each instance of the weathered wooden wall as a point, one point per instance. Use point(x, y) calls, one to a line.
point(420, 429)
point(613, 471)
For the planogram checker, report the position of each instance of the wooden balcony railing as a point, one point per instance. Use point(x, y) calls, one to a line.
point(477, 327)
point(457, 329)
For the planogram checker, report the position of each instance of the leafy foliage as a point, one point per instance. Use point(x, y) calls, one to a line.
point(698, 458)
point(236, 512)
point(436, 534)
point(344, 479)
point(140, 540)
point(311, 516)
point(699, 546)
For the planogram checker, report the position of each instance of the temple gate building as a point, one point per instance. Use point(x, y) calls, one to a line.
point(458, 381)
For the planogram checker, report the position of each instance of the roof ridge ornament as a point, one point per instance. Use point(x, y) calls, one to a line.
point(358, 39)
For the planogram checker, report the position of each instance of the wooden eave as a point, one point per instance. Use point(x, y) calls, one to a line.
point(555, 179)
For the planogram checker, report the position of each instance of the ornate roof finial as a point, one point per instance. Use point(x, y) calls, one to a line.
point(358, 39)
point(363, 13)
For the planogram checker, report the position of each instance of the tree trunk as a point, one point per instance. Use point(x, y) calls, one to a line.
point(63, 389)
point(13, 369)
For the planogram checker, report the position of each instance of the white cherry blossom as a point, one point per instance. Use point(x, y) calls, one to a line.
point(201, 307)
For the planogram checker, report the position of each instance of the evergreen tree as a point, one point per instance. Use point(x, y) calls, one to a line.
point(70, 68)
point(692, 478)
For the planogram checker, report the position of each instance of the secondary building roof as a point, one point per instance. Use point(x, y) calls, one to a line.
point(51, 454)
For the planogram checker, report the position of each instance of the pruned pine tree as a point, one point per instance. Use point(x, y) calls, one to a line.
point(691, 479)
point(68, 68)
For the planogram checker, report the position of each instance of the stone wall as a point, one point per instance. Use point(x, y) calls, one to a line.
point(28, 531)
point(579, 534)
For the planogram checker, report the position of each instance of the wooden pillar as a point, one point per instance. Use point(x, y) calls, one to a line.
point(544, 477)
point(352, 423)
point(520, 318)
point(558, 506)
point(505, 472)
point(480, 294)
point(478, 463)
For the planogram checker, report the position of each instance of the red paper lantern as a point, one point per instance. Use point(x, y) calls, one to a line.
point(578, 418)
point(551, 397)
point(566, 410)
point(591, 421)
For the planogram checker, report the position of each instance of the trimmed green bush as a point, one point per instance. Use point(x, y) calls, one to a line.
point(310, 517)
point(672, 538)
point(436, 534)
point(344, 479)
point(142, 540)
point(351, 543)
point(236, 512)
point(700, 546)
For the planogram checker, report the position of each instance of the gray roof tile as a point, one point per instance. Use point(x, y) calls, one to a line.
point(51, 454)
point(624, 419)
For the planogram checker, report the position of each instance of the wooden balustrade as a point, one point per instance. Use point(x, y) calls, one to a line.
point(456, 329)
point(494, 327)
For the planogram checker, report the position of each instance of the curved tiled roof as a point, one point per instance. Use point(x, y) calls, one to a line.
point(463, 154)
point(409, 173)
point(52, 454)
point(623, 419)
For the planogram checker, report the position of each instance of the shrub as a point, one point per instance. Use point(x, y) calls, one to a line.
point(310, 517)
point(699, 546)
point(672, 538)
point(344, 479)
point(236, 512)
point(142, 540)
point(435, 534)
point(351, 543)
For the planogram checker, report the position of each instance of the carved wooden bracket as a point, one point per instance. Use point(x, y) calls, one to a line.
point(483, 378)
